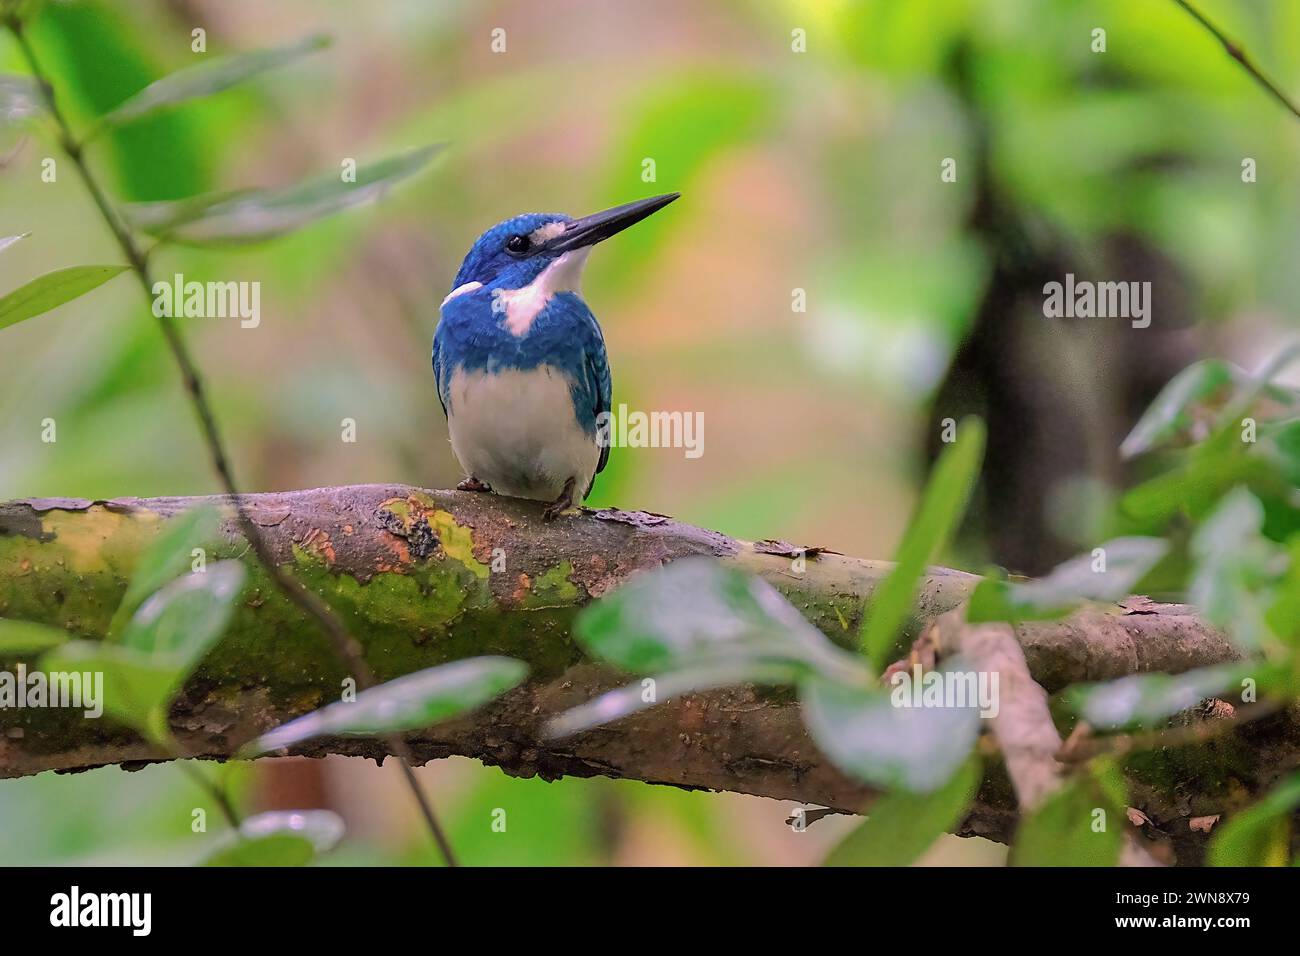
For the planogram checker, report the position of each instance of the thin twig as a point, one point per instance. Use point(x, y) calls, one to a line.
point(345, 646)
point(215, 790)
point(1242, 57)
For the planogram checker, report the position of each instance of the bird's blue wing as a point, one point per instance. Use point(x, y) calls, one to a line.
point(598, 369)
point(593, 387)
point(437, 373)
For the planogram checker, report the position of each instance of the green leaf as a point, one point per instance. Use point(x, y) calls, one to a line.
point(1147, 699)
point(136, 689)
point(20, 99)
point(1172, 411)
point(408, 703)
point(1236, 567)
point(322, 828)
point(1259, 835)
point(1280, 442)
point(867, 735)
point(160, 647)
point(181, 622)
point(633, 698)
point(28, 637)
point(698, 613)
point(941, 509)
point(100, 56)
point(901, 825)
point(7, 241)
point(1284, 615)
point(165, 560)
point(1260, 384)
point(206, 78)
point(52, 290)
point(1109, 576)
point(253, 215)
point(1081, 824)
point(278, 849)
point(1193, 488)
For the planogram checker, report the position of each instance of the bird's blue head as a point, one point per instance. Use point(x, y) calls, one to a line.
point(512, 254)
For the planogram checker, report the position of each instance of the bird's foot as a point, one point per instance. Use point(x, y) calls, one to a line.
point(557, 507)
point(473, 484)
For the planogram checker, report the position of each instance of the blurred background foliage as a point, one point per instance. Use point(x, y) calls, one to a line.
point(817, 171)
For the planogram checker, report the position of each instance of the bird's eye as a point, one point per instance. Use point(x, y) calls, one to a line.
point(517, 245)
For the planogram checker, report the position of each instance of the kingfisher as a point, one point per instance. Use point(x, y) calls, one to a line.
point(520, 361)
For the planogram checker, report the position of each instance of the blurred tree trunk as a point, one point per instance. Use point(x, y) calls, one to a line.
point(1059, 395)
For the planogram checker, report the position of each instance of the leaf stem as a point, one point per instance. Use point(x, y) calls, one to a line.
point(1241, 56)
point(215, 790)
point(345, 646)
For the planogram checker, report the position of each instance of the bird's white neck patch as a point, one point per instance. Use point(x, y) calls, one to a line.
point(522, 306)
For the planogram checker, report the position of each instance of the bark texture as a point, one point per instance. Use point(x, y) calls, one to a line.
point(425, 577)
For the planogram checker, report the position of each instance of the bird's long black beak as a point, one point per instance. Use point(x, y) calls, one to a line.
point(590, 230)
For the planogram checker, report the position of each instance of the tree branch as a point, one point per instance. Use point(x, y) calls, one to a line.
point(1026, 736)
point(424, 577)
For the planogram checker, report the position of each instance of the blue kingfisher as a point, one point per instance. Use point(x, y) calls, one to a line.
point(520, 360)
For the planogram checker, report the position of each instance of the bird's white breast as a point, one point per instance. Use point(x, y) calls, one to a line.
point(515, 429)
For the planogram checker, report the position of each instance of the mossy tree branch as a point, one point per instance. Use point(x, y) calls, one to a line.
point(425, 577)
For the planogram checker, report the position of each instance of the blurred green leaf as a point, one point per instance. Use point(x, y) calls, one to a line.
point(278, 849)
point(942, 506)
point(1081, 824)
point(696, 612)
point(322, 828)
point(52, 290)
point(28, 637)
point(407, 703)
point(1193, 488)
point(1088, 577)
point(20, 98)
point(636, 697)
point(1146, 699)
point(137, 688)
point(1258, 835)
point(901, 826)
point(7, 241)
point(182, 620)
point(1281, 441)
point(1284, 615)
point(1261, 384)
point(166, 560)
point(160, 647)
point(100, 57)
point(1235, 568)
point(1172, 411)
point(207, 78)
point(867, 736)
point(253, 215)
